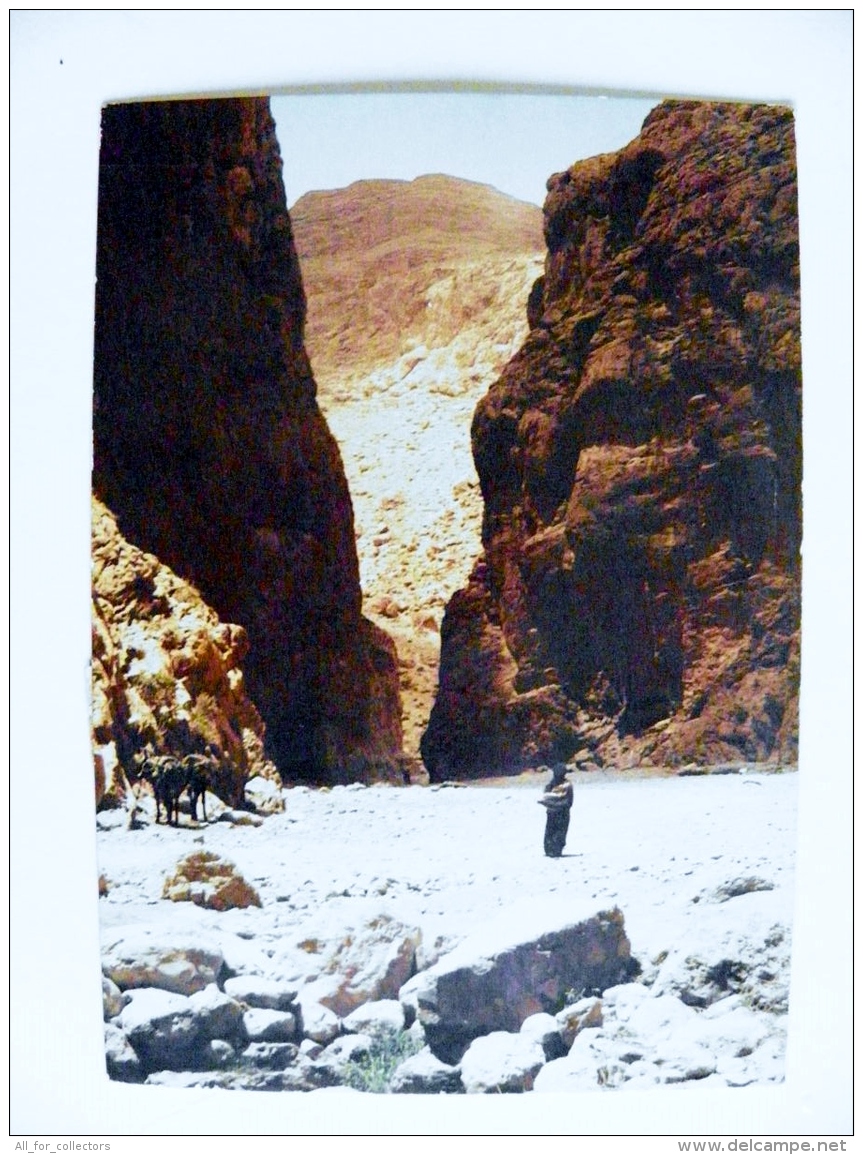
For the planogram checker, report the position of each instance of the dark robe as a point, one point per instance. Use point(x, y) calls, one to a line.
point(557, 799)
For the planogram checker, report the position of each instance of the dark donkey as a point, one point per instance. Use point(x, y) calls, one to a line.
point(199, 780)
point(169, 776)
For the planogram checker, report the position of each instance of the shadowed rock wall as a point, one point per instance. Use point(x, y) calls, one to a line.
point(637, 600)
point(209, 446)
point(165, 673)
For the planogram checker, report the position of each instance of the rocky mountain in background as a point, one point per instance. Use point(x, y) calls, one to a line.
point(209, 446)
point(638, 597)
point(416, 301)
point(166, 674)
point(389, 265)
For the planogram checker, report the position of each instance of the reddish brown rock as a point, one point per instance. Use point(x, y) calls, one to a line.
point(166, 673)
point(208, 442)
point(416, 296)
point(640, 463)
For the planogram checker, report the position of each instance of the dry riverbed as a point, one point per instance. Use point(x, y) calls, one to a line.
point(682, 858)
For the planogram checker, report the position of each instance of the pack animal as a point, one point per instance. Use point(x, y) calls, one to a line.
point(168, 778)
point(199, 781)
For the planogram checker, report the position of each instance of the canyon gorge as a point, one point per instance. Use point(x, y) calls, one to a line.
point(420, 486)
point(482, 486)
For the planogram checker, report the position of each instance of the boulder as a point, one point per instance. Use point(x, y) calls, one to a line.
point(263, 1026)
point(342, 1052)
point(520, 964)
point(424, 1074)
point(646, 1039)
point(219, 1016)
point(546, 1030)
point(120, 1058)
point(164, 1030)
point(501, 1062)
point(153, 956)
point(113, 999)
point(369, 964)
point(578, 1016)
point(270, 1056)
point(375, 1017)
point(265, 795)
point(317, 1022)
point(219, 1053)
point(208, 880)
point(742, 946)
point(256, 991)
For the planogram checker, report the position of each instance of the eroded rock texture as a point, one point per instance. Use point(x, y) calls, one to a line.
point(166, 673)
point(209, 444)
point(637, 600)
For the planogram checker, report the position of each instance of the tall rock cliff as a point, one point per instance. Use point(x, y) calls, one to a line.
point(209, 446)
point(637, 600)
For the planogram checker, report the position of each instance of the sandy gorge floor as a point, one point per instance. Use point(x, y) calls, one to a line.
point(447, 859)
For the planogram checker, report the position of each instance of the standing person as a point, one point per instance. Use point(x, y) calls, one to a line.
point(557, 799)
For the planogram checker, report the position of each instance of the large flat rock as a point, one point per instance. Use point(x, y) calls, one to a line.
point(522, 963)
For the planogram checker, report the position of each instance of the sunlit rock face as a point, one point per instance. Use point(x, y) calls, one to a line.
point(209, 446)
point(166, 675)
point(640, 464)
point(416, 293)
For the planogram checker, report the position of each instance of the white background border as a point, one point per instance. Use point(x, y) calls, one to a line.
point(804, 57)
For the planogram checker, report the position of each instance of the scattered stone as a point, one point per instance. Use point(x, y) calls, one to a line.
point(256, 991)
point(740, 948)
point(265, 1026)
point(579, 1016)
point(220, 1053)
point(372, 1018)
point(500, 1062)
point(423, 1074)
point(163, 1029)
point(240, 818)
point(154, 956)
point(270, 1056)
point(219, 1016)
point(317, 1021)
point(370, 964)
point(207, 880)
point(121, 1060)
point(265, 796)
point(545, 1030)
point(113, 999)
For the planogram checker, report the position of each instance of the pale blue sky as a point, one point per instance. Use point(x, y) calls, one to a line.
point(513, 141)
